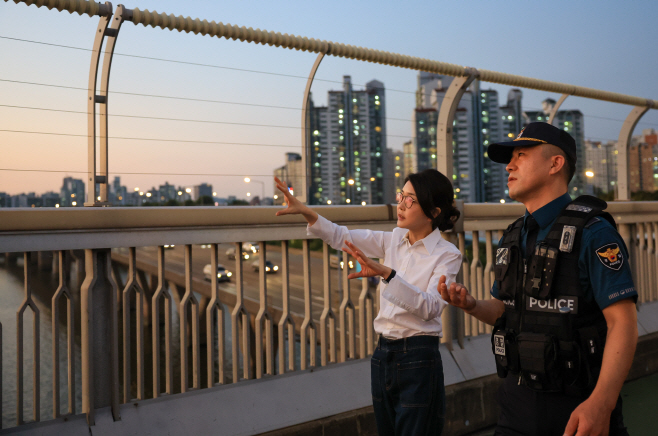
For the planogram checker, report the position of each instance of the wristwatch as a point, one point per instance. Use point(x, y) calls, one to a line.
point(390, 276)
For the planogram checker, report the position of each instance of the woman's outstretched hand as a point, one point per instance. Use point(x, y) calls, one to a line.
point(369, 268)
point(293, 205)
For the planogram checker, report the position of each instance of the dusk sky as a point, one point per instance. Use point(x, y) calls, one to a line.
point(607, 45)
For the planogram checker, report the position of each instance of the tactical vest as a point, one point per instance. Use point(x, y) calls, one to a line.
point(549, 335)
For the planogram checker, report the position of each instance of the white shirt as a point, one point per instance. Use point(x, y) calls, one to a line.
point(410, 304)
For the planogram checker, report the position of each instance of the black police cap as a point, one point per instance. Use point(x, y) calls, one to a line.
point(534, 134)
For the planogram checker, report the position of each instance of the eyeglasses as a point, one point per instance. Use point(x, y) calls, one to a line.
point(408, 201)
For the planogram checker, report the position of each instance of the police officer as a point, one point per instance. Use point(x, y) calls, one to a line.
point(565, 322)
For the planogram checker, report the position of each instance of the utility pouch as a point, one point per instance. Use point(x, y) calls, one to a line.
point(507, 272)
point(541, 270)
point(538, 356)
point(504, 347)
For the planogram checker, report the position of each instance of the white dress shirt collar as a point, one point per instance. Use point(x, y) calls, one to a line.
point(430, 241)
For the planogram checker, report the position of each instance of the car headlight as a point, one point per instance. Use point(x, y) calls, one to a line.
point(246, 256)
point(267, 268)
point(341, 264)
point(276, 268)
point(351, 264)
point(229, 274)
point(219, 275)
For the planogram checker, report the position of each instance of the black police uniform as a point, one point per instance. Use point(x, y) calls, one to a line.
point(549, 343)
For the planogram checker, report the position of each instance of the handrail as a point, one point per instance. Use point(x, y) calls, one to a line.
point(476, 216)
point(82, 7)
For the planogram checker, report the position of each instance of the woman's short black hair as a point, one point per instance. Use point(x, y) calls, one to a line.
point(433, 190)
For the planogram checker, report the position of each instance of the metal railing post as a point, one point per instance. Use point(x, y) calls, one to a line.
point(63, 292)
point(99, 336)
point(286, 319)
point(551, 115)
point(92, 99)
point(263, 317)
point(623, 144)
point(446, 118)
point(306, 121)
point(328, 317)
point(162, 293)
point(36, 350)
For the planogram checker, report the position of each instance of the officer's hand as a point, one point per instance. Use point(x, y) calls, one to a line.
point(456, 294)
point(589, 419)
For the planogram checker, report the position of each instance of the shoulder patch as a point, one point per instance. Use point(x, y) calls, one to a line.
point(579, 208)
point(610, 256)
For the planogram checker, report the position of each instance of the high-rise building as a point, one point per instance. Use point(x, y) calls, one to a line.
point(72, 192)
point(643, 166)
point(477, 123)
point(423, 138)
point(50, 199)
point(600, 167)
point(167, 192)
point(5, 199)
point(570, 121)
point(348, 146)
point(408, 161)
point(292, 174)
point(394, 167)
point(202, 190)
point(117, 194)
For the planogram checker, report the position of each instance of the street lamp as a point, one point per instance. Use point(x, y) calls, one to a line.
point(262, 185)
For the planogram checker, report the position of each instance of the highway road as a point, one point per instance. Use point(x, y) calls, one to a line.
point(174, 262)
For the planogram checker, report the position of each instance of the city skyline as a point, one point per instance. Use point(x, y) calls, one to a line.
point(579, 53)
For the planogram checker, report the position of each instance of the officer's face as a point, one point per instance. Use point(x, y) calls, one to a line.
point(528, 171)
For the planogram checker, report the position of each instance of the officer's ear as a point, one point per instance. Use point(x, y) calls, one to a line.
point(557, 163)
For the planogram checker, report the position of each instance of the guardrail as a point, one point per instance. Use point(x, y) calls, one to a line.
point(340, 330)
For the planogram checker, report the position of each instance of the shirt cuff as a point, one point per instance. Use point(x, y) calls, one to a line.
point(319, 228)
point(403, 295)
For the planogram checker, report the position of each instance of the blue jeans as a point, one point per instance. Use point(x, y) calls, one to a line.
point(407, 386)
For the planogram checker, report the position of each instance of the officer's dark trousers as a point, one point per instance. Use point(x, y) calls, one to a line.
point(526, 412)
point(407, 387)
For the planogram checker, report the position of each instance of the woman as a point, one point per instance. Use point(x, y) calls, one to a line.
point(407, 374)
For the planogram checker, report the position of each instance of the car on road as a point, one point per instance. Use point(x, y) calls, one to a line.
point(270, 268)
point(169, 246)
point(230, 253)
point(223, 275)
point(334, 262)
point(251, 247)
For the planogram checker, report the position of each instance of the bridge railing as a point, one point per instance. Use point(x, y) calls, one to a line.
point(150, 325)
